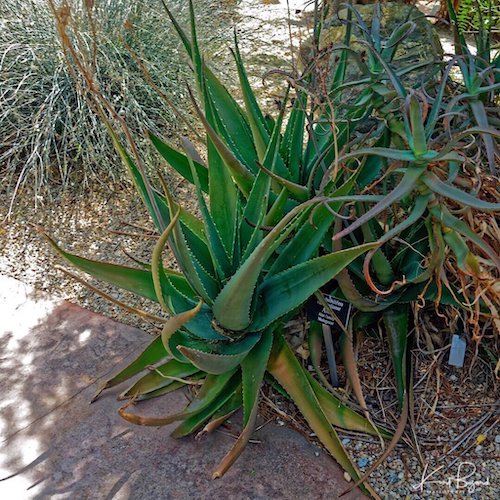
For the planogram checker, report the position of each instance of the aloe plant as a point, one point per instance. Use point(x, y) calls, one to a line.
point(247, 265)
point(284, 215)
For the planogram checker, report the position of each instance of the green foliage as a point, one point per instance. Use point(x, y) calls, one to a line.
point(474, 15)
point(372, 217)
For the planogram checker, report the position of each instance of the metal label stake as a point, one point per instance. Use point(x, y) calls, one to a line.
point(330, 354)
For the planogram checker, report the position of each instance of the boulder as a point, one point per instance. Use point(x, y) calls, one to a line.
point(422, 44)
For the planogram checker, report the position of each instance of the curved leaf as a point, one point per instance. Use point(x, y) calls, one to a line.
point(285, 368)
point(253, 368)
point(232, 305)
point(407, 184)
point(179, 162)
point(396, 319)
point(285, 291)
point(153, 353)
point(218, 363)
point(163, 376)
point(449, 191)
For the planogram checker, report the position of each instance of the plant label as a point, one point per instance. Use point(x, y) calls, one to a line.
point(457, 351)
point(341, 309)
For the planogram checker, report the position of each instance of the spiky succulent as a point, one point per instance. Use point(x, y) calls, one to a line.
point(247, 265)
point(273, 199)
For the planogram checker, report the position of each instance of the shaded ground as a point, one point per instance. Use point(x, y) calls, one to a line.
point(56, 445)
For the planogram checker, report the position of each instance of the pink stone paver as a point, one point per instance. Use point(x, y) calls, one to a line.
point(53, 355)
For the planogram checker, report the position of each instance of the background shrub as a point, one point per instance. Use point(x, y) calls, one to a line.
point(48, 134)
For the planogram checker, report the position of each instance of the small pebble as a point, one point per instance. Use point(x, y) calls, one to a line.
point(316, 453)
point(346, 441)
point(479, 448)
point(401, 475)
point(393, 477)
point(347, 477)
point(363, 462)
point(497, 439)
point(453, 378)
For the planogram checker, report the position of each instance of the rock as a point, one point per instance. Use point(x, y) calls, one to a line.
point(422, 44)
point(363, 462)
point(346, 441)
point(497, 439)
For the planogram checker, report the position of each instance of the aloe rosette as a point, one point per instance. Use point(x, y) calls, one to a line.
point(247, 265)
point(284, 209)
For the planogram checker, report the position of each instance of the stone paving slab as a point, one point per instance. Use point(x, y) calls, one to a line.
point(55, 445)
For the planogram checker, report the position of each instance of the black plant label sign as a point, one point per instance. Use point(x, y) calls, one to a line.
point(341, 308)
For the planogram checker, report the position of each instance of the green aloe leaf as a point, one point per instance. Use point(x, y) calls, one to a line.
point(195, 421)
point(137, 281)
point(256, 119)
point(390, 153)
point(150, 200)
point(240, 173)
point(398, 35)
point(417, 138)
point(176, 290)
point(442, 214)
point(153, 353)
point(178, 321)
point(261, 134)
point(212, 387)
point(293, 137)
point(157, 265)
point(232, 307)
point(163, 376)
point(396, 321)
point(179, 162)
point(258, 201)
point(393, 76)
point(216, 246)
point(253, 368)
point(407, 185)
point(381, 264)
point(449, 191)
point(481, 118)
point(227, 117)
point(218, 363)
point(230, 116)
point(339, 414)
point(419, 207)
point(288, 372)
point(299, 192)
point(466, 260)
point(285, 291)
point(193, 260)
point(315, 343)
point(312, 233)
point(230, 346)
point(174, 386)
